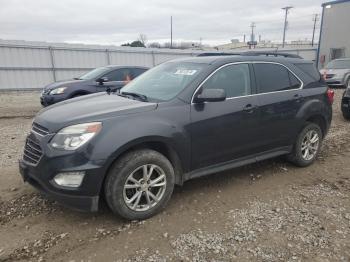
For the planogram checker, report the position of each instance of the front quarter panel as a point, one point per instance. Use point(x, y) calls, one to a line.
point(166, 125)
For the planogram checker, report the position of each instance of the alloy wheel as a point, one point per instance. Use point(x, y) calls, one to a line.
point(144, 187)
point(310, 144)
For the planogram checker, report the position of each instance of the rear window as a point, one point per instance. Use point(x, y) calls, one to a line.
point(310, 70)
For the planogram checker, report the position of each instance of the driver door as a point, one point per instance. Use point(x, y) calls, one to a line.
point(226, 130)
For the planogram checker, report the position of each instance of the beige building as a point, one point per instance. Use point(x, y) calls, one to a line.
point(335, 35)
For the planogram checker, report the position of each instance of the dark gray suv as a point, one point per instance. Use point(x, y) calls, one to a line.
point(180, 120)
point(98, 80)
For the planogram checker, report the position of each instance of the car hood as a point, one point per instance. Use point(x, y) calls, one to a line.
point(67, 83)
point(89, 108)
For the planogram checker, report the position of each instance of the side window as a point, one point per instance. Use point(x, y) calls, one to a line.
point(294, 82)
point(310, 70)
point(234, 79)
point(119, 75)
point(138, 71)
point(272, 78)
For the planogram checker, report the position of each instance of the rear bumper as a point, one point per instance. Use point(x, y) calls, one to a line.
point(71, 199)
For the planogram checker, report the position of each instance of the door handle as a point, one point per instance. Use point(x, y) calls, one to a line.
point(249, 108)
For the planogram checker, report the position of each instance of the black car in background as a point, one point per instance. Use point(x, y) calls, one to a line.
point(180, 120)
point(98, 80)
point(345, 103)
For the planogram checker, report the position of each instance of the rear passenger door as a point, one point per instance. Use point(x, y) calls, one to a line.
point(280, 98)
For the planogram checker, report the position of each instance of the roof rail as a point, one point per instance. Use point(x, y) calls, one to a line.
point(260, 53)
point(217, 54)
point(253, 53)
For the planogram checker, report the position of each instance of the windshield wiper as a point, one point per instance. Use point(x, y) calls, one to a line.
point(76, 78)
point(139, 96)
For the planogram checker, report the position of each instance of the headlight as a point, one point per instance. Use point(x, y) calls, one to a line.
point(73, 137)
point(57, 91)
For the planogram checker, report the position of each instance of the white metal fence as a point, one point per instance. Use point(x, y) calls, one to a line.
point(30, 65)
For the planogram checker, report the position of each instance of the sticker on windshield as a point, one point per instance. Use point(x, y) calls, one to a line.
point(186, 72)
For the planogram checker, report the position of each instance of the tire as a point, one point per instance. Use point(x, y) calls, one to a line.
point(299, 156)
point(126, 180)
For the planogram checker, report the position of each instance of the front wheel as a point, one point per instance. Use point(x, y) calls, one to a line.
point(307, 146)
point(140, 184)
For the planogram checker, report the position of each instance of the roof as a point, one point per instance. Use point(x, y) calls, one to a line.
point(335, 2)
point(125, 66)
point(234, 58)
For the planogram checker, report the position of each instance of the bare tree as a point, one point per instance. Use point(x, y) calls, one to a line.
point(143, 39)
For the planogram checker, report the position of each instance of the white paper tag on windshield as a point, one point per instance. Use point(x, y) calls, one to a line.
point(185, 72)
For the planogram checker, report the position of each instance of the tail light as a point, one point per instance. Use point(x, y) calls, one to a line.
point(330, 95)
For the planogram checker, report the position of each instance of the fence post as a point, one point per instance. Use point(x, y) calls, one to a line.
point(153, 58)
point(108, 58)
point(52, 59)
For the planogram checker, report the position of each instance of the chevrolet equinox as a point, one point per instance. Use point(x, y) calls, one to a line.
point(181, 120)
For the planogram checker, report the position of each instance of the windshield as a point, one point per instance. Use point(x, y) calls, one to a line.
point(338, 64)
point(165, 81)
point(94, 73)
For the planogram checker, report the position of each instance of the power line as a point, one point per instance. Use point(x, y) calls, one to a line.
point(315, 19)
point(285, 23)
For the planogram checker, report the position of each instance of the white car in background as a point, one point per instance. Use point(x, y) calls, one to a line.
point(337, 73)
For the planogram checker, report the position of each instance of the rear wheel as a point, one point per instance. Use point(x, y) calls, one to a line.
point(140, 184)
point(307, 146)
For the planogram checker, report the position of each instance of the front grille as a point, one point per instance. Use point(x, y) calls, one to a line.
point(328, 76)
point(36, 128)
point(32, 151)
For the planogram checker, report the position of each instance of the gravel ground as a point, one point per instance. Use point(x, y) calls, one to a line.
point(269, 211)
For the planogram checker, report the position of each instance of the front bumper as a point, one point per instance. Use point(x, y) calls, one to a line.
point(337, 82)
point(47, 99)
point(81, 203)
point(41, 174)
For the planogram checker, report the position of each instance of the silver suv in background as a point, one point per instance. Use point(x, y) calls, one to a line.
point(337, 73)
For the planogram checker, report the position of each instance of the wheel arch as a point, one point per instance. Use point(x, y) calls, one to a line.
point(319, 120)
point(79, 92)
point(159, 144)
point(316, 112)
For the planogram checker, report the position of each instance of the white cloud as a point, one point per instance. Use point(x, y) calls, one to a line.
point(115, 22)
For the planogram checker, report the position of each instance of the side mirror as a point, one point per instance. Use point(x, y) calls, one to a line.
point(211, 95)
point(101, 80)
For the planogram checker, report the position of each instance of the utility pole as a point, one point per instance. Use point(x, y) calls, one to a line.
point(285, 23)
point(315, 19)
point(171, 31)
point(252, 36)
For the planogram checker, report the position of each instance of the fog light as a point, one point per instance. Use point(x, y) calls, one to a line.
point(69, 179)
